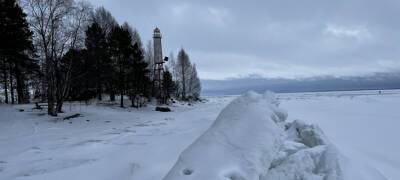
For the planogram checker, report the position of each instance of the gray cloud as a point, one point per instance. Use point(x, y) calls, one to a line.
point(273, 38)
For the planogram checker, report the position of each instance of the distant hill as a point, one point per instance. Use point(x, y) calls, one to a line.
point(240, 85)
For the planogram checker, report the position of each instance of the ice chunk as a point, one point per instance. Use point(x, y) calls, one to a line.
point(318, 163)
point(310, 135)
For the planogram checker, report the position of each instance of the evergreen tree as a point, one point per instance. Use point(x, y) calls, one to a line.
point(168, 85)
point(121, 51)
point(107, 22)
point(134, 35)
point(97, 55)
point(82, 82)
point(138, 80)
point(16, 49)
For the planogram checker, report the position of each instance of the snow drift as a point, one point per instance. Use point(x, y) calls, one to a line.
point(251, 140)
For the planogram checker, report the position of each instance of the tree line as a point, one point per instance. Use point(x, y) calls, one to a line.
point(64, 50)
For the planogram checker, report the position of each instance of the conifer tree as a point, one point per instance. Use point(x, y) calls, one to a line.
point(168, 85)
point(97, 55)
point(121, 51)
point(16, 49)
point(79, 88)
point(107, 22)
point(138, 81)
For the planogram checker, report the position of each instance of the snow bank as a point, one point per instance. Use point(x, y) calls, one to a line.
point(241, 143)
point(250, 140)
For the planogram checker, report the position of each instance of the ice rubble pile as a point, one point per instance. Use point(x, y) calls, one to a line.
point(251, 140)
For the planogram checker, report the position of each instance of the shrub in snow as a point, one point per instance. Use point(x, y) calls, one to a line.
point(250, 140)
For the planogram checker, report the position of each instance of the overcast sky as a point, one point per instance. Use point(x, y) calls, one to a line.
point(272, 38)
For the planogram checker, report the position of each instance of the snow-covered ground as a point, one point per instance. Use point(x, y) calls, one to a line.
point(107, 143)
point(112, 143)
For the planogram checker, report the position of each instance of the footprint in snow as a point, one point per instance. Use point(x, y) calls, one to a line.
point(37, 168)
point(131, 143)
point(134, 167)
point(129, 131)
point(169, 119)
point(141, 125)
point(89, 142)
point(34, 149)
point(2, 168)
point(112, 133)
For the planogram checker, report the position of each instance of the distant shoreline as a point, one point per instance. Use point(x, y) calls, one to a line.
point(383, 91)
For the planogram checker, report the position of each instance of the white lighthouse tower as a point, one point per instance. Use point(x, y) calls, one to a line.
point(158, 64)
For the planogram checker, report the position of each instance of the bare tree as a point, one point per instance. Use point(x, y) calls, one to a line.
point(47, 19)
point(77, 22)
point(183, 67)
point(172, 66)
point(5, 79)
point(194, 85)
point(175, 73)
point(58, 26)
point(76, 25)
point(134, 35)
point(105, 19)
point(149, 58)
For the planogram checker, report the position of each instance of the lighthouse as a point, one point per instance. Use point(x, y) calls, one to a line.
point(158, 64)
point(158, 58)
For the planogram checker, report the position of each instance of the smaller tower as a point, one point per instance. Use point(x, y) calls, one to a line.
point(158, 64)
